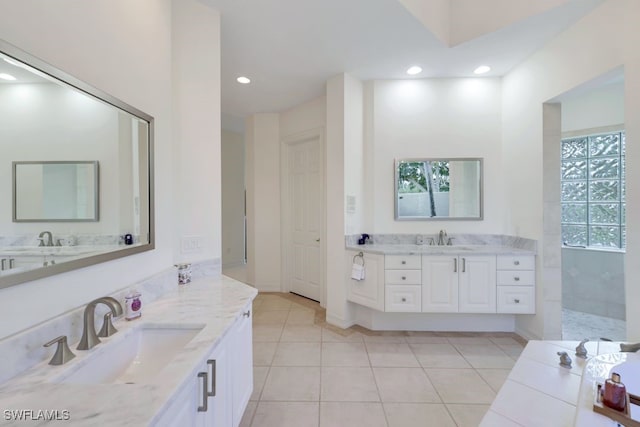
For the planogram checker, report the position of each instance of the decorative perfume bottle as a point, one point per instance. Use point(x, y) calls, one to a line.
point(615, 393)
point(133, 305)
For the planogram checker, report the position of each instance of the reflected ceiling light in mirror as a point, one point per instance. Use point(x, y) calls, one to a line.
point(5, 76)
point(243, 80)
point(482, 69)
point(12, 62)
point(412, 71)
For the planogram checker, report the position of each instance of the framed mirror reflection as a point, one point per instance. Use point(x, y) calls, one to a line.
point(77, 167)
point(438, 189)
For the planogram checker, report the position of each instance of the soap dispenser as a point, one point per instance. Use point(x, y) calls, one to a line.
point(615, 393)
point(133, 305)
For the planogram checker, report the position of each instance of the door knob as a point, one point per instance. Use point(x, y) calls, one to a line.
point(318, 239)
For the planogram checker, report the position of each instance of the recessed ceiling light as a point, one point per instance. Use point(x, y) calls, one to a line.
point(244, 80)
point(414, 70)
point(5, 76)
point(482, 69)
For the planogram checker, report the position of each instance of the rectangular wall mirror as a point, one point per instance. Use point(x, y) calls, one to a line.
point(438, 189)
point(77, 171)
point(53, 191)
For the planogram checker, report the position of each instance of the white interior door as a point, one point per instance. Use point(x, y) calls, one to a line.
point(306, 202)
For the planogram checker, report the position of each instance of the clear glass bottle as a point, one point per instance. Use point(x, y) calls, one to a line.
point(615, 393)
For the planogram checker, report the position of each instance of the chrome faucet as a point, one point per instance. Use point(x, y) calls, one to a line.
point(49, 240)
point(89, 337)
point(442, 238)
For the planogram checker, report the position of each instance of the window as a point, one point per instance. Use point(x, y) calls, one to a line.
point(593, 194)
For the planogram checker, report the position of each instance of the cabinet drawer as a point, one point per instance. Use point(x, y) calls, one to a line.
point(403, 298)
point(403, 277)
point(515, 262)
point(401, 262)
point(516, 299)
point(516, 278)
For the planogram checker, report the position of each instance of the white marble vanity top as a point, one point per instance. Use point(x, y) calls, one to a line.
point(409, 249)
point(210, 301)
point(58, 250)
point(539, 392)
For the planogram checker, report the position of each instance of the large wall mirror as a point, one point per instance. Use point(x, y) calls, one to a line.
point(76, 169)
point(438, 189)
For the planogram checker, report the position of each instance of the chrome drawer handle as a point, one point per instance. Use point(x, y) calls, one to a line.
point(247, 313)
point(404, 300)
point(517, 301)
point(517, 279)
point(455, 265)
point(404, 277)
point(516, 262)
point(212, 363)
point(404, 262)
point(205, 380)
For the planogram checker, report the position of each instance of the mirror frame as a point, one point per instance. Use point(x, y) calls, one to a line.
point(480, 217)
point(96, 189)
point(74, 83)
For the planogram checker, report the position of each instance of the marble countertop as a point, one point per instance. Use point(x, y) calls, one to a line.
point(539, 392)
point(412, 249)
point(214, 302)
point(58, 250)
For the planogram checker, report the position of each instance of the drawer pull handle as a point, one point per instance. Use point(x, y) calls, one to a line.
point(455, 265)
point(464, 265)
point(247, 313)
point(205, 380)
point(517, 301)
point(404, 277)
point(214, 375)
point(404, 262)
point(516, 262)
point(517, 279)
point(404, 300)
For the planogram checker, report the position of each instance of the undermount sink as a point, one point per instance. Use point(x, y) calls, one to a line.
point(134, 358)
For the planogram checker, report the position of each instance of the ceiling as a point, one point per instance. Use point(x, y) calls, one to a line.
point(289, 48)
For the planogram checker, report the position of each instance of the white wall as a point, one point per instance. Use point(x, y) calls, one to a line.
point(262, 143)
point(435, 118)
point(307, 116)
point(599, 107)
point(125, 49)
point(232, 198)
point(576, 56)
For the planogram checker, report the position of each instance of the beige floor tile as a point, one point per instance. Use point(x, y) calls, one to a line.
point(494, 377)
point(247, 417)
point(438, 356)
point(503, 341)
point(470, 340)
point(513, 351)
point(275, 304)
point(263, 353)
point(347, 336)
point(467, 415)
point(297, 354)
point(417, 339)
point(405, 385)
point(388, 339)
point(344, 354)
point(350, 384)
point(301, 317)
point(267, 333)
point(259, 378)
point(340, 414)
point(292, 384)
point(286, 414)
point(418, 415)
point(277, 317)
point(460, 386)
point(485, 356)
point(391, 355)
point(306, 333)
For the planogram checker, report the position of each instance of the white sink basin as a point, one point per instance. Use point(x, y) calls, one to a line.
point(131, 359)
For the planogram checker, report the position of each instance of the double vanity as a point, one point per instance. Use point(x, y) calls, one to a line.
point(187, 361)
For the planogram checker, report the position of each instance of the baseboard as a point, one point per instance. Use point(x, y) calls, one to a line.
point(526, 334)
point(268, 288)
point(338, 321)
point(233, 264)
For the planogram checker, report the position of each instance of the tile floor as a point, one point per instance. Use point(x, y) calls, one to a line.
point(577, 325)
point(309, 373)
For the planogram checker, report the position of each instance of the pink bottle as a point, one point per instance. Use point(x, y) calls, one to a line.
point(615, 393)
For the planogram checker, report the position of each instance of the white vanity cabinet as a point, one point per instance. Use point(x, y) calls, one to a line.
point(402, 283)
point(218, 391)
point(516, 284)
point(370, 291)
point(464, 284)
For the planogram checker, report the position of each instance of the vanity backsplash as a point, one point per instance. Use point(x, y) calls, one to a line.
point(457, 239)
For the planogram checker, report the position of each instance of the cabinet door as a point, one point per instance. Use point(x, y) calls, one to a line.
point(477, 283)
point(440, 284)
point(219, 413)
point(241, 364)
point(370, 291)
point(182, 409)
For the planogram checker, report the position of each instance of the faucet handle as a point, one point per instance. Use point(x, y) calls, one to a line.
point(581, 350)
point(450, 241)
point(107, 326)
point(63, 353)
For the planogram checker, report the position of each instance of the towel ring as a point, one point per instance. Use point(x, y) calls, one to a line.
point(359, 255)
